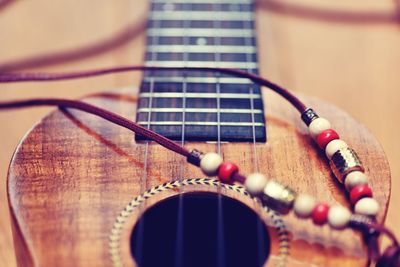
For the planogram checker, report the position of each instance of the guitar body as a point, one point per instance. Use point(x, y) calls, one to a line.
point(74, 182)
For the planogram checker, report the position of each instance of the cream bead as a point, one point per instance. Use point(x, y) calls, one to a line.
point(210, 163)
point(318, 125)
point(304, 205)
point(255, 183)
point(338, 217)
point(333, 146)
point(355, 178)
point(367, 206)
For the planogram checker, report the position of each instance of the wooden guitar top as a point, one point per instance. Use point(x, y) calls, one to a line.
point(74, 173)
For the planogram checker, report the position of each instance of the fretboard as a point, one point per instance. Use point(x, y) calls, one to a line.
point(194, 106)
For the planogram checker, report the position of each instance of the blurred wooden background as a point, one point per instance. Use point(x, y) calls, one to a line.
point(308, 46)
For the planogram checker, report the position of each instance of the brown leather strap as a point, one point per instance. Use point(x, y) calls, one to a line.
point(105, 114)
point(25, 77)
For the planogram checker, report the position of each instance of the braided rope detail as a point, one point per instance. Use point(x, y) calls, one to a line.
point(116, 231)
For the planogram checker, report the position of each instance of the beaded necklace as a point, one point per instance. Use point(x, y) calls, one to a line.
point(344, 161)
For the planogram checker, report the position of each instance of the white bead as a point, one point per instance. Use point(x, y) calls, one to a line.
point(334, 146)
point(367, 206)
point(304, 205)
point(210, 163)
point(318, 125)
point(255, 183)
point(355, 178)
point(338, 217)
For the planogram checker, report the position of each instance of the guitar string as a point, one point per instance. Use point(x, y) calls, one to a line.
point(143, 184)
point(249, 42)
point(179, 248)
point(260, 237)
point(220, 209)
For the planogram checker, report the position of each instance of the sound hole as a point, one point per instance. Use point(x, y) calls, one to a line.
point(200, 229)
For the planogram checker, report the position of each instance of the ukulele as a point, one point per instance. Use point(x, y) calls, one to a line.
point(84, 192)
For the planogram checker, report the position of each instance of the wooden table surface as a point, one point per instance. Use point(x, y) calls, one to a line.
point(352, 63)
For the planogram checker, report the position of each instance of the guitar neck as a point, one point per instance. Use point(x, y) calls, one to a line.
point(194, 106)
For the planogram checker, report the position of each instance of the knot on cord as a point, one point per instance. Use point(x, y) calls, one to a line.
point(390, 257)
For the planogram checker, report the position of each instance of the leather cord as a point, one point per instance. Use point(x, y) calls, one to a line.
point(29, 77)
point(105, 114)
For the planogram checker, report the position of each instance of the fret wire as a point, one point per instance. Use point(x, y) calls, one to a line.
point(201, 7)
point(198, 95)
point(200, 64)
point(203, 123)
point(201, 15)
point(201, 24)
point(204, 1)
point(201, 32)
point(207, 80)
point(178, 40)
point(202, 110)
point(231, 49)
point(201, 57)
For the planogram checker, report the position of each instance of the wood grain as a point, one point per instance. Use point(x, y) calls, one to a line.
point(74, 172)
point(305, 55)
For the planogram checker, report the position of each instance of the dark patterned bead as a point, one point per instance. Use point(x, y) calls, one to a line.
point(308, 116)
point(195, 157)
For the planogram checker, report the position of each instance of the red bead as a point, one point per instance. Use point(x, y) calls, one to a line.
point(320, 214)
point(226, 170)
point(360, 191)
point(325, 137)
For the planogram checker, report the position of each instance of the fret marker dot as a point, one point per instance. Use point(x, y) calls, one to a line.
point(168, 7)
point(201, 41)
